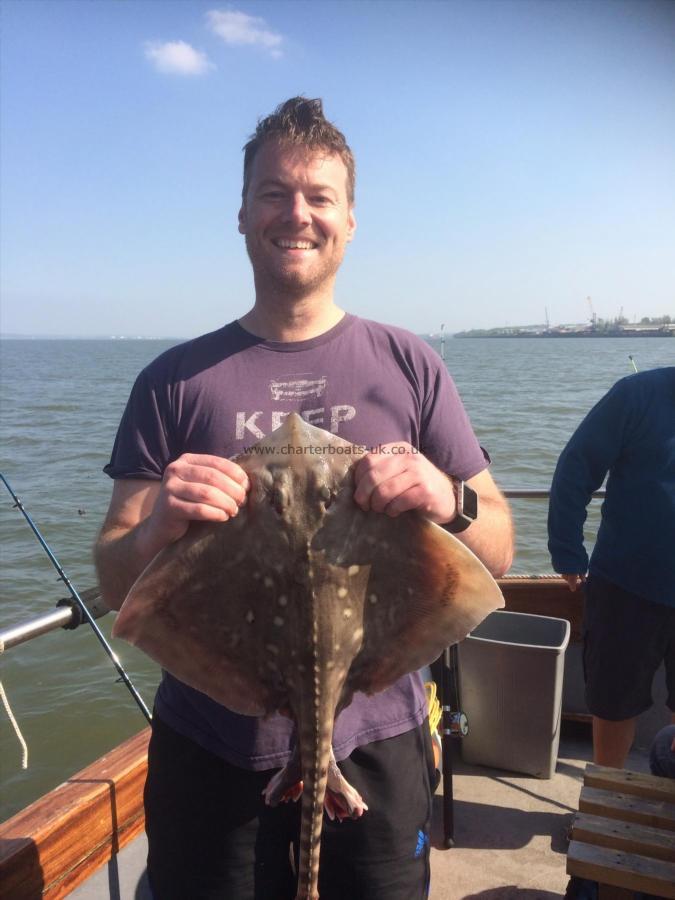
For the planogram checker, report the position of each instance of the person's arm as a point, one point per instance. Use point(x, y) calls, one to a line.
point(582, 467)
point(122, 550)
point(490, 537)
point(395, 482)
point(144, 516)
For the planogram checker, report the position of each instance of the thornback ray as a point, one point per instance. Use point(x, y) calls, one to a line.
point(301, 600)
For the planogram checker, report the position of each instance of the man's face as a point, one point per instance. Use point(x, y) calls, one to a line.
point(296, 217)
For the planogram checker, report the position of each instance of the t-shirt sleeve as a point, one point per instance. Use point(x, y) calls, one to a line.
point(447, 436)
point(142, 445)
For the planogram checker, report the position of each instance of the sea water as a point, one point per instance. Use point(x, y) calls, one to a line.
point(60, 403)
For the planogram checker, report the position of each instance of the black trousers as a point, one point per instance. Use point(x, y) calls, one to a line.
point(211, 836)
point(625, 640)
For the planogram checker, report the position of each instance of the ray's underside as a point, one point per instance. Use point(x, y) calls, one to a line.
point(303, 598)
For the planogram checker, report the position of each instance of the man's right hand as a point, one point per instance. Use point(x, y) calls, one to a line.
point(573, 581)
point(196, 487)
point(145, 516)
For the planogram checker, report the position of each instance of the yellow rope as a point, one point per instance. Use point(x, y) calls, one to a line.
point(434, 705)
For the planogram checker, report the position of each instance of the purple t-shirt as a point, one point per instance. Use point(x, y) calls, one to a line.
point(226, 390)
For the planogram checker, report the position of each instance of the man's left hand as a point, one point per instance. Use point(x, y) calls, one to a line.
point(397, 477)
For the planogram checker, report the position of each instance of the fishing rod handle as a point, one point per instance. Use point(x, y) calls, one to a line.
point(67, 615)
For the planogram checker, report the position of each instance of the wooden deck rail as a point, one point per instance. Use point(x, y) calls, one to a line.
point(53, 845)
point(546, 595)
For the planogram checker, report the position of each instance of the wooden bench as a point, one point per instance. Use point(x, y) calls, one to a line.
point(624, 834)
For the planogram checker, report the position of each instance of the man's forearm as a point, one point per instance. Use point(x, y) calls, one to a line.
point(120, 555)
point(566, 516)
point(490, 537)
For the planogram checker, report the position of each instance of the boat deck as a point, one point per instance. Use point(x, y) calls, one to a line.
point(510, 833)
point(510, 829)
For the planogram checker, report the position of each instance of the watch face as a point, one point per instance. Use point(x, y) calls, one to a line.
point(469, 503)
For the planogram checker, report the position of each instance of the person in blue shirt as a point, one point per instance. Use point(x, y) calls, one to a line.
point(629, 612)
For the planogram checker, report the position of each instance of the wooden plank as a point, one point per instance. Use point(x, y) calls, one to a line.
point(626, 836)
point(651, 787)
point(623, 870)
point(96, 859)
point(76, 828)
point(546, 596)
point(654, 813)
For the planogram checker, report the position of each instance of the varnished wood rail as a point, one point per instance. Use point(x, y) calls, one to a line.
point(56, 843)
point(546, 595)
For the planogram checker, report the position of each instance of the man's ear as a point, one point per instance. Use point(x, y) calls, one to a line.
point(242, 220)
point(351, 224)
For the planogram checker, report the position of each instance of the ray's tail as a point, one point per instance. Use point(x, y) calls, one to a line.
point(317, 725)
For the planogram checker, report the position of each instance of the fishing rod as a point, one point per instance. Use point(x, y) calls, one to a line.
point(80, 604)
point(632, 362)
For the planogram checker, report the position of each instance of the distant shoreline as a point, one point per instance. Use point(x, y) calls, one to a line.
point(623, 333)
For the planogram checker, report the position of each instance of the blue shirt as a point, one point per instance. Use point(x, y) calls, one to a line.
point(629, 434)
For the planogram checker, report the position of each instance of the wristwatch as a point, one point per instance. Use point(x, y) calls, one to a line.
point(467, 507)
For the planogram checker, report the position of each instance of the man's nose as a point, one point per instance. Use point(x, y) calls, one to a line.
point(297, 211)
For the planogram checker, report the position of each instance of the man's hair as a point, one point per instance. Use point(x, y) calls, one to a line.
point(301, 123)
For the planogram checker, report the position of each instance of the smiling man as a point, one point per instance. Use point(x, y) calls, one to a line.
point(200, 404)
point(297, 217)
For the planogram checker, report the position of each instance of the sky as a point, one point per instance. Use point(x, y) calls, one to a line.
point(514, 158)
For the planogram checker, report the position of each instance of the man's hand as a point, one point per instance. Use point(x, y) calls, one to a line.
point(397, 478)
point(196, 487)
point(145, 516)
point(573, 581)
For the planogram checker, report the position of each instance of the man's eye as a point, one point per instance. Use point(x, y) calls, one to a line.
point(320, 200)
point(273, 195)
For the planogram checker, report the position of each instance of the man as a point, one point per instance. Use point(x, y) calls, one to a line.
point(629, 614)
point(198, 405)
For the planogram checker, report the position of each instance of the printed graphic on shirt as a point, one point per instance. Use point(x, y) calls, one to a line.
point(258, 424)
point(298, 387)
